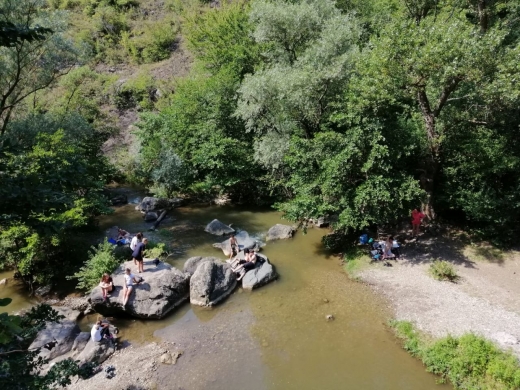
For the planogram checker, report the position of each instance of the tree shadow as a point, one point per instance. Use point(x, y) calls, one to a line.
point(429, 248)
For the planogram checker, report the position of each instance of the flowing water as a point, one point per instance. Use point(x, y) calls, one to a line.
point(275, 337)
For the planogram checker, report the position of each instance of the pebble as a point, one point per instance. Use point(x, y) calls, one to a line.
point(329, 317)
point(325, 300)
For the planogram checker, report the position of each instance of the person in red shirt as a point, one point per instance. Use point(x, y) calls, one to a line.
point(417, 218)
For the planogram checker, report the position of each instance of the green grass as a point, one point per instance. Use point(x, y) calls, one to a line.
point(355, 260)
point(469, 362)
point(442, 270)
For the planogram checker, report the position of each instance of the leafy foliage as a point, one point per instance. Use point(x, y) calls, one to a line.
point(468, 362)
point(154, 250)
point(21, 368)
point(442, 270)
point(101, 260)
point(52, 186)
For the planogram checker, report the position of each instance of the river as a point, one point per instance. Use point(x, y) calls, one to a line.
point(275, 337)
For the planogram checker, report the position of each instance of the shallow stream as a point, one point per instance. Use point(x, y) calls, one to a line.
point(275, 337)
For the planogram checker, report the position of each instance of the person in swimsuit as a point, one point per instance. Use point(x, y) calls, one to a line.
point(130, 282)
point(138, 254)
point(417, 218)
point(234, 246)
point(248, 263)
point(106, 285)
point(135, 240)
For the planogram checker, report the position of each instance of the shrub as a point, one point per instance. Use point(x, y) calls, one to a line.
point(136, 92)
point(468, 362)
point(154, 250)
point(101, 260)
point(442, 270)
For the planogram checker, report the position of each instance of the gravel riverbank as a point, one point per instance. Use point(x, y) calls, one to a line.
point(483, 301)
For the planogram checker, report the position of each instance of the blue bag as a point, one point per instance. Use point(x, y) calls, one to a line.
point(363, 239)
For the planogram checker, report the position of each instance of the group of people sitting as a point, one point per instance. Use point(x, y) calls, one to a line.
point(241, 266)
point(107, 285)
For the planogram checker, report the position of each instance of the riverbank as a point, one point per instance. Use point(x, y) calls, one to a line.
point(483, 300)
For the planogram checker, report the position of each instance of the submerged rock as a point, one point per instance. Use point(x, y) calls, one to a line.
point(218, 228)
point(56, 339)
point(163, 289)
point(193, 262)
point(211, 283)
point(262, 274)
point(280, 232)
point(244, 242)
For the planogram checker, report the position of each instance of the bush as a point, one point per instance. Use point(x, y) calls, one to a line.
point(101, 260)
point(468, 362)
point(154, 250)
point(136, 92)
point(442, 270)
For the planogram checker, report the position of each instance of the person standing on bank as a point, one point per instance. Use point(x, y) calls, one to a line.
point(417, 218)
point(138, 254)
point(135, 240)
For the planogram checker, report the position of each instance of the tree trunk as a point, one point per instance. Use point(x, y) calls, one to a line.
point(483, 16)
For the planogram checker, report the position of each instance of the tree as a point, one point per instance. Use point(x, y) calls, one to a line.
point(34, 60)
point(310, 49)
point(52, 172)
point(21, 368)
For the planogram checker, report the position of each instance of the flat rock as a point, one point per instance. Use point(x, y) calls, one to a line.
point(164, 288)
point(244, 242)
point(193, 262)
point(96, 352)
point(80, 342)
point(280, 232)
point(151, 203)
point(69, 313)
point(262, 274)
point(218, 228)
point(58, 336)
point(211, 283)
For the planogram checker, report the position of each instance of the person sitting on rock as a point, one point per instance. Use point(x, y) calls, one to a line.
point(136, 240)
point(387, 248)
point(139, 253)
point(122, 234)
point(100, 331)
point(234, 246)
point(130, 282)
point(107, 285)
point(248, 263)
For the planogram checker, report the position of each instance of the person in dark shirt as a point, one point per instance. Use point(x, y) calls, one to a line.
point(138, 254)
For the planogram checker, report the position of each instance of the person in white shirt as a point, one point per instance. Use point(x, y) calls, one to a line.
point(130, 281)
point(99, 330)
point(135, 240)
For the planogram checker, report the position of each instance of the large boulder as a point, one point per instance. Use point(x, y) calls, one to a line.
point(218, 228)
point(193, 262)
point(280, 232)
point(262, 274)
point(150, 203)
point(244, 242)
point(150, 216)
point(96, 352)
point(153, 204)
point(212, 282)
point(163, 289)
point(56, 338)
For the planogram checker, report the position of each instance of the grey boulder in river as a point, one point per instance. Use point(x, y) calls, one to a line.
point(193, 262)
point(211, 283)
point(244, 241)
point(280, 232)
point(163, 289)
point(218, 228)
point(262, 274)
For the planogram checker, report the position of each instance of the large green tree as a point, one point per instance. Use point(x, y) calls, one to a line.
point(34, 55)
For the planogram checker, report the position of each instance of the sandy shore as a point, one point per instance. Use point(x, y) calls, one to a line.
point(484, 300)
